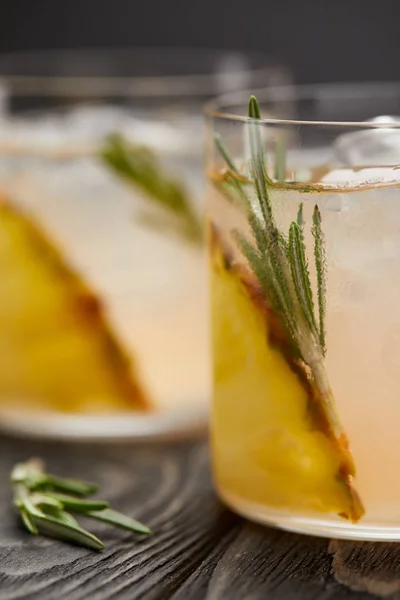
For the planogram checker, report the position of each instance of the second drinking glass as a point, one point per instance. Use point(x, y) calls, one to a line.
point(103, 319)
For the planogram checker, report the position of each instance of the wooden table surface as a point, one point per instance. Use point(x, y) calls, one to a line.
point(199, 550)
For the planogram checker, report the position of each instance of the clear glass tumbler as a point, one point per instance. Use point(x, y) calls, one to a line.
point(304, 238)
point(103, 318)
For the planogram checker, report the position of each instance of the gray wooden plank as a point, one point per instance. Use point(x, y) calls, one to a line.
point(168, 487)
point(199, 551)
point(363, 566)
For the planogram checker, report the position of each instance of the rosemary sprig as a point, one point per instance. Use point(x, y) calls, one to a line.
point(233, 178)
point(279, 262)
point(320, 265)
point(300, 272)
point(257, 163)
point(140, 167)
point(44, 509)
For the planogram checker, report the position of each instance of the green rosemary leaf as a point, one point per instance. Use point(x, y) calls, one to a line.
point(299, 266)
point(70, 486)
point(258, 233)
point(76, 504)
point(61, 530)
point(255, 260)
point(30, 526)
point(120, 520)
point(254, 108)
point(304, 267)
point(258, 172)
point(263, 269)
point(300, 220)
point(262, 194)
point(256, 169)
point(257, 166)
point(283, 285)
point(29, 473)
point(44, 501)
point(233, 179)
point(32, 509)
point(320, 266)
point(301, 275)
point(271, 232)
point(225, 154)
point(140, 167)
point(61, 515)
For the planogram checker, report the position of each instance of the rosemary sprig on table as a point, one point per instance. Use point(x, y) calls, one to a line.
point(45, 503)
point(279, 261)
point(140, 167)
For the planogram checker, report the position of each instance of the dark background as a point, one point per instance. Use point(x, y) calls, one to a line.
point(319, 40)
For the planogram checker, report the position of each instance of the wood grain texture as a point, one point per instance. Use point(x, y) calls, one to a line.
point(199, 550)
point(367, 567)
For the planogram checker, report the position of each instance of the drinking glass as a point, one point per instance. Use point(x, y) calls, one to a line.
point(103, 319)
point(304, 239)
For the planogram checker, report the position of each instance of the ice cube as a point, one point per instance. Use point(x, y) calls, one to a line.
point(87, 126)
point(362, 230)
point(372, 146)
point(343, 178)
point(93, 123)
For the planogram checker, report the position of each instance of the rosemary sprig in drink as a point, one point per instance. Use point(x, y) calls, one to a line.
point(45, 503)
point(276, 284)
point(279, 263)
point(320, 265)
point(139, 167)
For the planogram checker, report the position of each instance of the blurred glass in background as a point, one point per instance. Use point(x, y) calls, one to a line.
point(103, 310)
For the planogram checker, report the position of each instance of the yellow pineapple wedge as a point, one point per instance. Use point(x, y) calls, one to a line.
point(57, 351)
point(274, 444)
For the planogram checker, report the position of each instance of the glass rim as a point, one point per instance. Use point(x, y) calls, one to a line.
point(219, 107)
point(189, 84)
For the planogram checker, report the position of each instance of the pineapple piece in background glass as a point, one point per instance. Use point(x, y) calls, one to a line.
point(57, 349)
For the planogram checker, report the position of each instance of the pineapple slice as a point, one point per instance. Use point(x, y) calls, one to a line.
point(271, 446)
point(57, 351)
